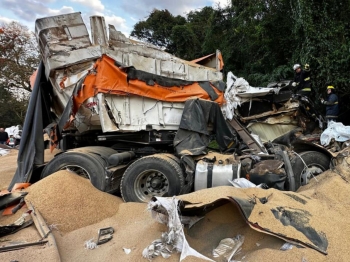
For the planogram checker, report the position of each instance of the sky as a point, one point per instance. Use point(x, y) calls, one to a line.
point(123, 14)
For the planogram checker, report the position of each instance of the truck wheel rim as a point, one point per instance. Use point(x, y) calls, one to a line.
point(309, 173)
point(151, 183)
point(80, 171)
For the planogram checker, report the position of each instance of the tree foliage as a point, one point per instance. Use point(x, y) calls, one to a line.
point(157, 29)
point(12, 109)
point(19, 56)
point(261, 40)
point(18, 60)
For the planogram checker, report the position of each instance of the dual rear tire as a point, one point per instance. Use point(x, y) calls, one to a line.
point(156, 175)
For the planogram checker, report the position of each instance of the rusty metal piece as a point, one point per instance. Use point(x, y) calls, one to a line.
point(43, 229)
point(20, 246)
point(273, 166)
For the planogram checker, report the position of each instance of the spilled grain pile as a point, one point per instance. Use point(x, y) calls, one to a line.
point(325, 199)
point(70, 202)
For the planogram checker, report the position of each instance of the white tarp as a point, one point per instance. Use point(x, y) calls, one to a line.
point(174, 239)
point(337, 131)
point(4, 152)
point(239, 91)
point(15, 131)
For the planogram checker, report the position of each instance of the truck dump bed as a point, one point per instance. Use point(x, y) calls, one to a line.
point(117, 84)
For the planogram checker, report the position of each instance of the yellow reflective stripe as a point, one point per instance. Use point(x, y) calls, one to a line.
point(306, 89)
point(307, 79)
point(335, 103)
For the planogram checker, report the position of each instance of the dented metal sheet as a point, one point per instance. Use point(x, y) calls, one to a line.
point(70, 56)
point(127, 113)
point(158, 62)
point(139, 113)
point(64, 41)
point(64, 82)
point(269, 132)
point(98, 30)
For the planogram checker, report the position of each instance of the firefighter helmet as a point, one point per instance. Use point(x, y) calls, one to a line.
point(296, 66)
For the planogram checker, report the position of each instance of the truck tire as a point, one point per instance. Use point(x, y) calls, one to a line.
point(150, 176)
point(87, 165)
point(316, 163)
point(185, 189)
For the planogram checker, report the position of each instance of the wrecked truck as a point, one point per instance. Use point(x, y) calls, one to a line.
point(140, 122)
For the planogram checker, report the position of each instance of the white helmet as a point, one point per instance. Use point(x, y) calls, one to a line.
point(296, 66)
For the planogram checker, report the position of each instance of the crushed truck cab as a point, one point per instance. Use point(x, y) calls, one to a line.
point(140, 122)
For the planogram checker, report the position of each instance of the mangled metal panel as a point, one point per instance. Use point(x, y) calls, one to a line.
point(127, 113)
point(87, 117)
point(159, 62)
point(273, 127)
point(132, 113)
point(153, 60)
point(214, 60)
point(63, 41)
point(70, 58)
point(64, 82)
point(98, 30)
point(111, 78)
point(269, 132)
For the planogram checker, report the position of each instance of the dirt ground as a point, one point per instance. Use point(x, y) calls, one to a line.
point(75, 211)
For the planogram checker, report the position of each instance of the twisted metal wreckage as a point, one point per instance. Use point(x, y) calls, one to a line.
point(123, 105)
point(138, 121)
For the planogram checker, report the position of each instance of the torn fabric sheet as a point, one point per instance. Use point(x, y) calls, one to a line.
point(337, 131)
point(245, 183)
point(239, 91)
point(165, 210)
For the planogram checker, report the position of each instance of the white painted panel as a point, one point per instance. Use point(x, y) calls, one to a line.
point(136, 113)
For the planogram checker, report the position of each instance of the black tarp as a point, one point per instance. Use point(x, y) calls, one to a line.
point(150, 79)
point(198, 116)
point(31, 148)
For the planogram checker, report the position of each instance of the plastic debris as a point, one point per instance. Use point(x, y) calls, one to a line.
point(90, 244)
point(245, 183)
point(228, 247)
point(286, 246)
point(165, 210)
point(4, 152)
point(337, 131)
point(127, 250)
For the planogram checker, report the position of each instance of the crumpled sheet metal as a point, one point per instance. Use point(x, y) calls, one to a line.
point(165, 211)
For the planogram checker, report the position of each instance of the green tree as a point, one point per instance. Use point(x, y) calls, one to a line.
point(322, 28)
point(157, 28)
point(19, 55)
point(184, 42)
point(18, 60)
point(261, 40)
point(12, 109)
point(176, 34)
